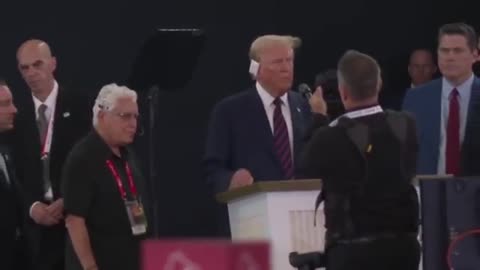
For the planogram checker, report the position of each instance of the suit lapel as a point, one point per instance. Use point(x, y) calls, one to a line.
point(61, 107)
point(259, 116)
point(436, 116)
point(473, 118)
point(473, 104)
point(263, 129)
point(30, 116)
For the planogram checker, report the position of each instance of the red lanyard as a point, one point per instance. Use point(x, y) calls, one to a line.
point(133, 189)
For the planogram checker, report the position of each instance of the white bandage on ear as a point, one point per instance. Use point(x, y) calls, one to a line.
point(254, 65)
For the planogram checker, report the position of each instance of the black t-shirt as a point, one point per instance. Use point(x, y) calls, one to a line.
point(91, 191)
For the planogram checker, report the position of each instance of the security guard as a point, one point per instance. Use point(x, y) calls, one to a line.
point(366, 159)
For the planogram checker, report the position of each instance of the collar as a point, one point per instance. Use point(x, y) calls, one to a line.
point(51, 99)
point(358, 108)
point(358, 112)
point(101, 149)
point(268, 99)
point(463, 89)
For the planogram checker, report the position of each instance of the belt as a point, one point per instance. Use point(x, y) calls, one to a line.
point(374, 237)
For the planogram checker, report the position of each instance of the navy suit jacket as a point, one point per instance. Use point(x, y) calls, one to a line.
point(425, 103)
point(239, 136)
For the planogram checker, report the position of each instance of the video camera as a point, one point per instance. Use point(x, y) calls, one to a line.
point(329, 82)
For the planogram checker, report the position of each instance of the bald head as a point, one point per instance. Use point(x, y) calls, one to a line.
point(37, 65)
point(421, 67)
point(35, 46)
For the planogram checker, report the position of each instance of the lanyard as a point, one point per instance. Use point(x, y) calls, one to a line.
point(48, 138)
point(359, 113)
point(115, 174)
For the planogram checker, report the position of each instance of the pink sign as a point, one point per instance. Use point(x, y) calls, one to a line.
point(205, 255)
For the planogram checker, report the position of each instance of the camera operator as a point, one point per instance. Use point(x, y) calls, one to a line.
point(366, 159)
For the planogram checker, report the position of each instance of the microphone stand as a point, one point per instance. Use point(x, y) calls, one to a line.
point(152, 105)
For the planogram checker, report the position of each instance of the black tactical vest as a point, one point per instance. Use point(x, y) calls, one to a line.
point(382, 199)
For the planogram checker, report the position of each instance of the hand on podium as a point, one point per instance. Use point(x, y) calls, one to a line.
point(241, 178)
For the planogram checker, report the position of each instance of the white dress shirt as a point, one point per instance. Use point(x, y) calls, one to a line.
point(50, 102)
point(464, 91)
point(269, 106)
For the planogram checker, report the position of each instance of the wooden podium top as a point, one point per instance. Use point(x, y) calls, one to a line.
point(270, 186)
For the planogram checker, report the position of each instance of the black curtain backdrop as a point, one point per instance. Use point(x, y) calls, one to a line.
point(99, 42)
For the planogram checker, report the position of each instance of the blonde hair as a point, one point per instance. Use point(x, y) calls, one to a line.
point(264, 42)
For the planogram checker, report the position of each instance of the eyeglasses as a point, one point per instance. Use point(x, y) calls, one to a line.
point(127, 116)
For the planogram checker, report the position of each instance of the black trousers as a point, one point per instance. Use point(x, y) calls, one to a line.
point(14, 253)
point(381, 254)
point(48, 247)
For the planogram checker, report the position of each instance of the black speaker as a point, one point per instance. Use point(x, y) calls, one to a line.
point(165, 63)
point(167, 59)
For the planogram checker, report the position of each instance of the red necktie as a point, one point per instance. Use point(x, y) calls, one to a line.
point(281, 141)
point(452, 154)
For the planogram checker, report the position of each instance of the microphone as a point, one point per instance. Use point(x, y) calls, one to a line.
point(305, 90)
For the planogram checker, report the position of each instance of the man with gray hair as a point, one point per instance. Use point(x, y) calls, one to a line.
point(103, 189)
point(366, 160)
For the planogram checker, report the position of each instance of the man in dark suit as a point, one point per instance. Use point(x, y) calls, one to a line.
point(447, 110)
point(257, 135)
point(50, 120)
point(421, 67)
point(10, 194)
point(366, 159)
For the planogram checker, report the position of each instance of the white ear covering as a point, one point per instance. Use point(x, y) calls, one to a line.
point(254, 65)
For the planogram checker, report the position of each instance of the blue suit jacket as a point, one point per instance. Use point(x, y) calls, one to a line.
point(239, 136)
point(425, 104)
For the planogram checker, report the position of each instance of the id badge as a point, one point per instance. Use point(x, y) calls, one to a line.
point(136, 215)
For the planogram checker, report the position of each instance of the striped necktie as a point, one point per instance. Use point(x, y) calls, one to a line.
point(281, 140)
point(452, 153)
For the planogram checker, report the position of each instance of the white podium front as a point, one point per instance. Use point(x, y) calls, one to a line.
point(281, 212)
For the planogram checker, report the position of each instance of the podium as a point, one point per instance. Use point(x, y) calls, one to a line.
point(281, 212)
point(451, 218)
